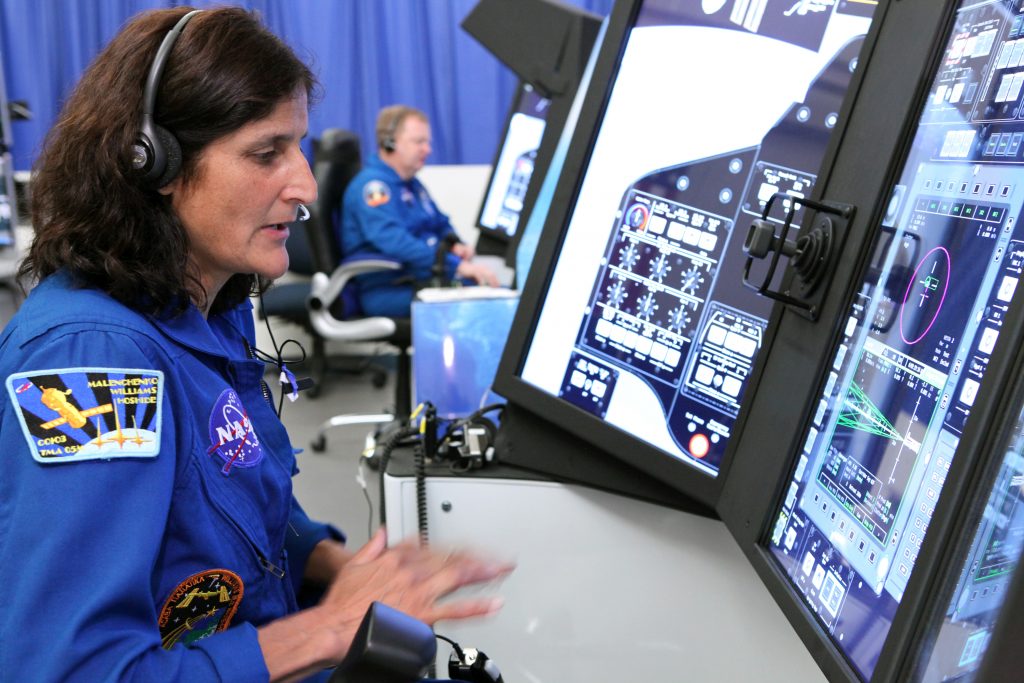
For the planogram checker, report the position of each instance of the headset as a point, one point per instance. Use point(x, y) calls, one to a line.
point(387, 143)
point(156, 153)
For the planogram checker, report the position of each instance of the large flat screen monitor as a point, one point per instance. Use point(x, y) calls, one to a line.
point(928, 314)
point(513, 165)
point(636, 332)
point(980, 582)
point(8, 213)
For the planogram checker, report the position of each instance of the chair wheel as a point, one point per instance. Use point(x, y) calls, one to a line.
point(380, 379)
point(373, 462)
point(319, 444)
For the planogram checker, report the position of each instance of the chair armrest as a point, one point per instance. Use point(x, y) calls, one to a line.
point(324, 290)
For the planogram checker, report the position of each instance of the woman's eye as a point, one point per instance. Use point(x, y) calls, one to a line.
point(266, 157)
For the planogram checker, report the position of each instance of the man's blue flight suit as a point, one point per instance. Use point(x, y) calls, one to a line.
point(383, 214)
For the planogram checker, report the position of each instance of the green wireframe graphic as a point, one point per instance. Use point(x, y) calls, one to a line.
point(860, 413)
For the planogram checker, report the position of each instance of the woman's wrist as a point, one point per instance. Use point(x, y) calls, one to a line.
point(305, 642)
point(325, 561)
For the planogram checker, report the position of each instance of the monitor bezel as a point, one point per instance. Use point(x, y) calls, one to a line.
point(492, 240)
point(913, 35)
point(6, 142)
point(691, 483)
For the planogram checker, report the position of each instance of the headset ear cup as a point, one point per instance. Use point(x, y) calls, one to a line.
point(171, 156)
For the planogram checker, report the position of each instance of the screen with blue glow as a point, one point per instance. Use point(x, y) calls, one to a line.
point(957, 643)
point(645, 325)
point(503, 201)
point(7, 212)
point(944, 268)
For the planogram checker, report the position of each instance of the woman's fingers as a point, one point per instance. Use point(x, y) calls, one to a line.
point(373, 549)
point(463, 609)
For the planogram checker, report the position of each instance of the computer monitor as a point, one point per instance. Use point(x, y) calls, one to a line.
point(976, 588)
point(915, 379)
point(8, 211)
point(635, 332)
point(512, 170)
point(547, 44)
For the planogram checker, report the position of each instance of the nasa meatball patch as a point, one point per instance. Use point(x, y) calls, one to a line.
point(75, 414)
point(232, 437)
point(200, 606)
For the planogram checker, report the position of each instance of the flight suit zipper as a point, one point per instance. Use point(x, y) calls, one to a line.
point(261, 557)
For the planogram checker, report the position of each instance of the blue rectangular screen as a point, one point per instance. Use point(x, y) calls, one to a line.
point(957, 642)
point(503, 202)
point(944, 268)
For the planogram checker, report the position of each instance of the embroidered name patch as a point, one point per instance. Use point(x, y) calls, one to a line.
point(89, 413)
point(232, 437)
point(200, 606)
point(376, 193)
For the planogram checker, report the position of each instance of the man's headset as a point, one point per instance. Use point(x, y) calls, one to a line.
point(387, 143)
point(156, 153)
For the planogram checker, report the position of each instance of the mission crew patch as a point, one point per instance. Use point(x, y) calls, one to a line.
point(376, 193)
point(75, 414)
point(200, 606)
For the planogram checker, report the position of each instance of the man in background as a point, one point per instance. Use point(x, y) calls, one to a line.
point(388, 211)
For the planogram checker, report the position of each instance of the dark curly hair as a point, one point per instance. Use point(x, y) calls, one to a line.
point(93, 215)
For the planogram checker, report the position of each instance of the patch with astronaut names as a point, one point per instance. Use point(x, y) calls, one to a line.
point(232, 437)
point(376, 193)
point(73, 414)
point(200, 606)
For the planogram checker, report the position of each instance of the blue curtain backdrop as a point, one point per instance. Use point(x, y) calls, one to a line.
point(366, 53)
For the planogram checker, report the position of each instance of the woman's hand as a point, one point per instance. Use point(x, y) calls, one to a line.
point(407, 577)
point(411, 579)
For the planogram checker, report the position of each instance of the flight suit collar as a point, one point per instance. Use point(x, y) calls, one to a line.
point(191, 330)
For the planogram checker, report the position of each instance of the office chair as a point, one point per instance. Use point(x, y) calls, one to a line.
point(312, 247)
point(331, 304)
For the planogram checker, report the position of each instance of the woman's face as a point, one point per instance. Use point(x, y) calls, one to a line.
point(247, 185)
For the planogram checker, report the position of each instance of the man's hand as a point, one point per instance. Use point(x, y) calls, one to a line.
point(477, 272)
point(464, 251)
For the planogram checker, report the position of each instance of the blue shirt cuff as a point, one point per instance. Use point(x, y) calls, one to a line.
point(235, 654)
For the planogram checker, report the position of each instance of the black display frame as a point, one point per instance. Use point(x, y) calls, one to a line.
point(913, 35)
point(491, 240)
point(546, 43)
point(7, 179)
point(965, 505)
point(599, 442)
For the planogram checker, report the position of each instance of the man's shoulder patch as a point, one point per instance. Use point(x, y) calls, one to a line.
point(376, 193)
point(74, 414)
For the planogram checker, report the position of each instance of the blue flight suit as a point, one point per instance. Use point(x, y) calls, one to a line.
point(147, 521)
point(383, 214)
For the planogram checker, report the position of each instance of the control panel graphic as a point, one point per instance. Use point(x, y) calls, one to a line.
point(668, 305)
point(944, 270)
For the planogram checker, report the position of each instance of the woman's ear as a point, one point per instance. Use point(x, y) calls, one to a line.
point(171, 187)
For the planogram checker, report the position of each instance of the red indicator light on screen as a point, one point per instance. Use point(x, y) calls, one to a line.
point(699, 445)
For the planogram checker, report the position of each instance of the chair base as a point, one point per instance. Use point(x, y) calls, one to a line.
point(319, 443)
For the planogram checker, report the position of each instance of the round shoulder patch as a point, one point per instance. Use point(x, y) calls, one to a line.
point(200, 606)
point(232, 436)
point(376, 193)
